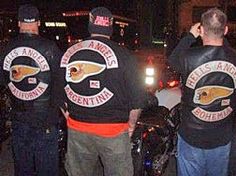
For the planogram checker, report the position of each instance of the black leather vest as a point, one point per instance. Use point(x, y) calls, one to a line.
point(27, 65)
point(209, 82)
point(208, 93)
point(102, 81)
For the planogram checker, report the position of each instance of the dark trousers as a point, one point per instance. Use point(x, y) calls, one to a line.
point(35, 150)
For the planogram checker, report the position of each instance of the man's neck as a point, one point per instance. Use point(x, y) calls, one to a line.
point(100, 35)
point(29, 31)
point(212, 42)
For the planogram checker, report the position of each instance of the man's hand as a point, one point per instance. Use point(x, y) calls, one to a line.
point(133, 117)
point(195, 30)
point(65, 111)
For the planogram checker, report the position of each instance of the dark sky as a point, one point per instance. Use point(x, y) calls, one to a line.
point(126, 8)
point(120, 7)
point(52, 5)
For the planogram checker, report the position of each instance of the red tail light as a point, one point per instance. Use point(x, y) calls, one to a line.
point(144, 135)
point(173, 83)
point(161, 85)
point(69, 39)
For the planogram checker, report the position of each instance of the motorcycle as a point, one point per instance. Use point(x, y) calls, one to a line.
point(154, 140)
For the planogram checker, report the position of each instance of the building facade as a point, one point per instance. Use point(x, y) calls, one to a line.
point(190, 12)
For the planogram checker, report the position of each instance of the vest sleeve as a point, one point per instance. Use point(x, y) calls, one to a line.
point(175, 58)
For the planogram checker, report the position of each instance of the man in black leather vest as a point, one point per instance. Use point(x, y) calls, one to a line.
point(105, 98)
point(30, 66)
point(208, 84)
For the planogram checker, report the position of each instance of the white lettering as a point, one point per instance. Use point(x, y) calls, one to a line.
point(9, 58)
point(213, 66)
point(211, 116)
point(104, 50)
point(88, 101)
point(28, 52)
point(28, 95)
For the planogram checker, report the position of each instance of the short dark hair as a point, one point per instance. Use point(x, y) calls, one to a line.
point(214, 22)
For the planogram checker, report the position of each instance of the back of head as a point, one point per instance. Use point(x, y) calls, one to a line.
point(214, 22)
point(28, 19)
point(100, 21)
point(28, 13)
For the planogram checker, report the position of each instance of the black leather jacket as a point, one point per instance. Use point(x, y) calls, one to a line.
point(103, 83)
point(208, 98)
point(30, 67)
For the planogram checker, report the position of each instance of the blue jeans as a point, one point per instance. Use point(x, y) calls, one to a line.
point(192, 161)
point(35, 150)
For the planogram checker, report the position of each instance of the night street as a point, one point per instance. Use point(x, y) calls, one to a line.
point(6, 164)
point(117, 87)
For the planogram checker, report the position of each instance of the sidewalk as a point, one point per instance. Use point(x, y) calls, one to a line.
point(6, 162)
